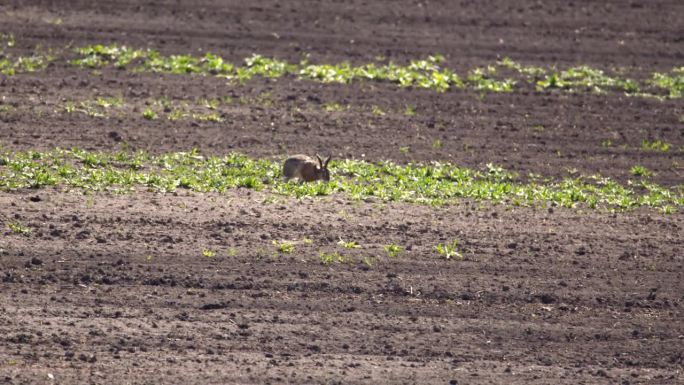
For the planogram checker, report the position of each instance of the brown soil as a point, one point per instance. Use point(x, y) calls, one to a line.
point(110, 288)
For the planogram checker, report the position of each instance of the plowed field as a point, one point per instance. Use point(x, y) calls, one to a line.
point(201, 287)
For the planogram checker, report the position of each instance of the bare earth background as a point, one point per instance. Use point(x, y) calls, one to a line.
point(114, 289)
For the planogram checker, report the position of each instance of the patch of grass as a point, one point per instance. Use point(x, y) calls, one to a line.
point(69, 107)
point(449, 250)
point(392, 250)
point(433, 183)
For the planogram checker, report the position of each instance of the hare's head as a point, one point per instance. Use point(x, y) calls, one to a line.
point(322, 170)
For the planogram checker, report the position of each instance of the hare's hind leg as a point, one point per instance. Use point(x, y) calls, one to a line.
point(295, 175)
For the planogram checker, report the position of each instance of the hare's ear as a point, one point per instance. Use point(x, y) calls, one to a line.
point(325, 164)
point(320, 161)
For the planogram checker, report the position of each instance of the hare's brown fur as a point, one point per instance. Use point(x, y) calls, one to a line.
point(306, 169)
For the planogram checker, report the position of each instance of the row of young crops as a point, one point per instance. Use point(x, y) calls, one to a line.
point(505, 75)
point(435, 183)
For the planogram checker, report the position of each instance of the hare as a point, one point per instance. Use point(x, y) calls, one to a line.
point(306, 169)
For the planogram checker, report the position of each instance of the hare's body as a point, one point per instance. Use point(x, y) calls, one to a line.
point(305, 168)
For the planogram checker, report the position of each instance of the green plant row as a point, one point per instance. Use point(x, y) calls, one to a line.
point(434, 183)
point(426, 73)
point(584, 77)
point(419, 73)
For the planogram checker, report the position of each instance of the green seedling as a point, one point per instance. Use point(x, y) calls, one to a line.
point(264, 99)
point(673, 82)
point(18, 228)
point(348, 244)
point(482, 80)
point(260, 253)
point(328, 258)
point(210, 117)
point(149, 114)
point(392, 250)
point(449, 250)
point(640, 171)
point(211, 104)
point(368, 261)
point(107, 103)
point(70, 107)
point(333, 107)
point(176, 115)
point(208, 253)
point(655, 145)
point(284, 247)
